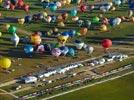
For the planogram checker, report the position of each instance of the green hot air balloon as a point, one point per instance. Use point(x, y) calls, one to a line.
point(95, 20)
point(12, 29)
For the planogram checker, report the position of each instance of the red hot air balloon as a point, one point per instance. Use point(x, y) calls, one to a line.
point(26, 8)
point(106, 43)
point(12, 7)
point(20, 3)
point(83, 8)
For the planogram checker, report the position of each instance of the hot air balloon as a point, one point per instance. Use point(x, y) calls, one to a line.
point(40, 49)
point(71, 52)
point(64, 50)
point(73, 12)
point(0, 34)
point(117, 2)
point(72, 33)
point(75, 18)
point(28, 49)
point(106, 43)
point(47, 47)
point(83, 8)
point(89, 49)
point(15, 39)
point(5, 63)
point(103, 28)
point(35, 39)
point(1, 1)
point(21, 21)
point(56, 52)
point(95, 20)
point(83, 31)
point(64, 16)
point(12, 29)
point(20, 3)
point(63, 37)
point(79, 45)
point(87, 23)
point(61, 24)
point(53, 7)
point(26, 8)
point(80, 23)
point(12, 7)
point(58, 4)
point(28, 19)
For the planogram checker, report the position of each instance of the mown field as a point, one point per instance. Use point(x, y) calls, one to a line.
point(119, 89)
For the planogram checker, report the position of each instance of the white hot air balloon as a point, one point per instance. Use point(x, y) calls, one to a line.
point(89, 49)
point(15, 39)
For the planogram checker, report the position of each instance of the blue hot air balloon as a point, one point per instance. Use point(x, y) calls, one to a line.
point(72, 33)
point(28, 49)
point(71, 52)
point(64, 50)
point(73, 12)
point(28, 19)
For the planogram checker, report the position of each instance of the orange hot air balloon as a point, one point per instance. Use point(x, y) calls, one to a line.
point(83, 31)
point(64, 16)
point(12, 7)
point(35, 39)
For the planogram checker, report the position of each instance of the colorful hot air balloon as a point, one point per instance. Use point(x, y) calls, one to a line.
point(56, 52)
point(35, 39)
point(28, 49)
point(106, 43)
point(15, 39)
point(5, 63)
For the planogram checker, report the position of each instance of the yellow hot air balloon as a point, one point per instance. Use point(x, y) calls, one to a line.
point(62, 39)
point(0, 34)
point(103, 28)
point(1, 1)
point(61, 24)
point(21, 21)
point(45, 14)
point(5, 63)
point(35, 39)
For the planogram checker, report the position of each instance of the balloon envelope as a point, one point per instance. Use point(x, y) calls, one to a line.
point(5, 63)
point(56, 52)
point(106, 43)
point(28, 49)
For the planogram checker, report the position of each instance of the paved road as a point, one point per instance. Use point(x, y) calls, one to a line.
point(110, 79)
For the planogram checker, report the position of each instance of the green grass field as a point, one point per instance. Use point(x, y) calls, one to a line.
point(119, 89)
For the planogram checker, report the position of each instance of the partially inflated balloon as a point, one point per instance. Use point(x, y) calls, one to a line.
point(1, 1)
point(12, 29)
point(79, 45)
point(53, 7)
point(103, 28)
point(21, 20)
point(71, 52)
point(64, 50)
point(14, 2)
point(28, 49)
point(68, 1)
point(83, 8)
point(95, 20)
point(89, 49)
point(26, 7)
point(20, 3)
point(73, 12)
point(35, 39)
point(28, 19)
point(0, 34)
point(83, 31)
point(15, 39)
point(12, 7)
point(5, 63)
point(56, 52)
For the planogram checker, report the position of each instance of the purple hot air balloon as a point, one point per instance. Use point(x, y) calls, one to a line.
point(56, 52)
